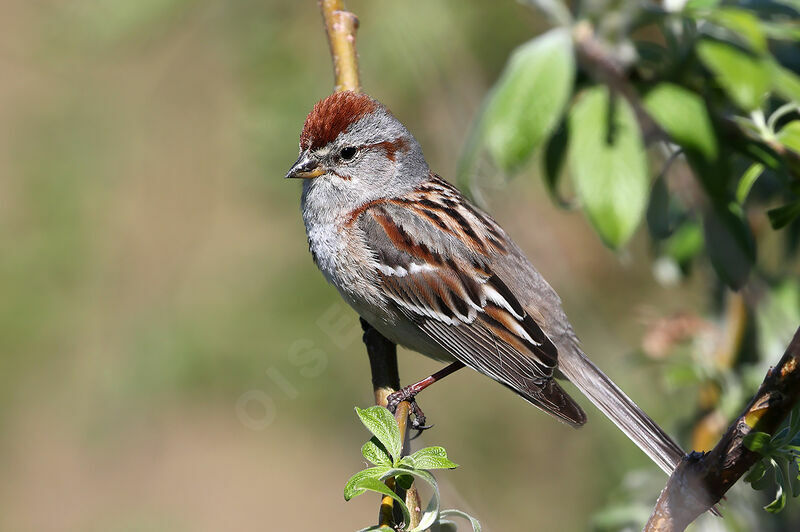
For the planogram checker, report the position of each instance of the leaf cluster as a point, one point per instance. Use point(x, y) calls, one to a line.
point(628, 101)
point(779, 466)
point(384, 452)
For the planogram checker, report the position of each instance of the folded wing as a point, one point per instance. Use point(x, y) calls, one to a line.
point(441, 279)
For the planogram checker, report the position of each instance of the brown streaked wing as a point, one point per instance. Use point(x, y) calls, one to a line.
point(476, 347)
point(447, 288)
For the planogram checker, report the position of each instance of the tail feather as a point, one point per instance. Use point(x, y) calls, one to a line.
point(618, 407)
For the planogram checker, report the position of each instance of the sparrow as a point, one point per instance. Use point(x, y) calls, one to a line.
point(434, 273)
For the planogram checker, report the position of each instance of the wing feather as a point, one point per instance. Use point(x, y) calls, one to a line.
point(434, 263)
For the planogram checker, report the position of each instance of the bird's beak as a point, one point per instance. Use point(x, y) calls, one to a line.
point(305, 167)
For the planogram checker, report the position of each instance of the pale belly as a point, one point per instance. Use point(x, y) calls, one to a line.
point(400, 331)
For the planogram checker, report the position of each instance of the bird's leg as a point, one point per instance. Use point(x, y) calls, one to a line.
point(408, 393)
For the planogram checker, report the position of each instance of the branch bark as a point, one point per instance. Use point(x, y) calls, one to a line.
point(701, 480)
point(341, 26)
point(385, 380)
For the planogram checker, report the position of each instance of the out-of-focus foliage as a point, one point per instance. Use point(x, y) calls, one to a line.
point(608, 164)
point(686, 116)
point(515, 123)
point(710, 83)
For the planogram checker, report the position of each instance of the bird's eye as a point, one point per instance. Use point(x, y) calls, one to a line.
point(348, 153)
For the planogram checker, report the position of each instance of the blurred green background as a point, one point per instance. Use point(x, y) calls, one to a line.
point(172, 360)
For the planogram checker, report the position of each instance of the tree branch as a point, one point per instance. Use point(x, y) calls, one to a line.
point(701, 480)
point(341, 26)
point(385, 380)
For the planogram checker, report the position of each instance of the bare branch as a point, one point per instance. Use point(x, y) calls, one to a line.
point(385, 380)
point(701, 480)
point(341, 26)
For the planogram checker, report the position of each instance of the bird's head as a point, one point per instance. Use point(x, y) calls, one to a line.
point(353, 145)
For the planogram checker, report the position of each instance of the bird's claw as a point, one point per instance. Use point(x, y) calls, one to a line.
point(418, 423)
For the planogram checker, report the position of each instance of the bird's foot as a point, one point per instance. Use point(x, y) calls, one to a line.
point(408, 394)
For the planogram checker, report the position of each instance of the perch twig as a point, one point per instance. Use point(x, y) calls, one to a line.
point(341, 26)
point(701, 480)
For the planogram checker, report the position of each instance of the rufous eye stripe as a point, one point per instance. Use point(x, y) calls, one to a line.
point(390, 147)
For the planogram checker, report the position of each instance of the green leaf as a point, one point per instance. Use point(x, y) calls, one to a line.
point(608, 164)
point(419, 473)
point(404, 481)
point(351, 489)
point(789, 135)
point(756, 473)
point(681, 375)
point(744, 23)
point(758, 442)
point(732, 248)
point(373, 484)
point(785, 82)
point(746, 79)
point(794, 477)
point(747, 181)
point(781, 31)
point(784, 215)
point(476, 526)
point(696, 5)
point(782, 437)
point(767, 479)
point(431, 458)
point(780, 497)
point(381, 423)
point(683, 115)
point(658, 214)
point(685, 243)
point(794, 423)
point(431, 512)
point(528, 100)
point(555, 153)
point(376, 453)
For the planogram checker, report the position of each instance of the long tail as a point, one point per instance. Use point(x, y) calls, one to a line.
point(619, 408)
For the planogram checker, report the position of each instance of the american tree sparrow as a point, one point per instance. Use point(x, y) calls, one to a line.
point(432, 272)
